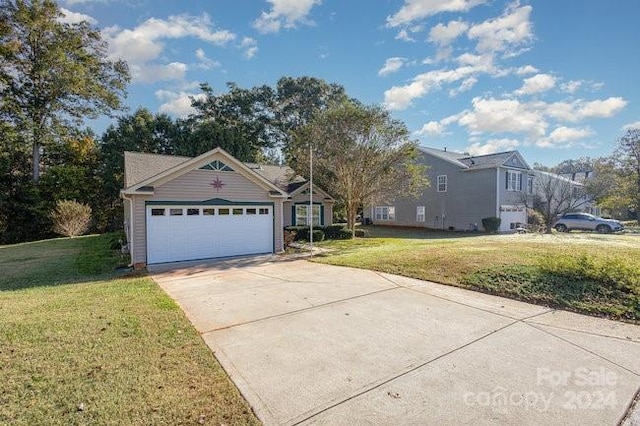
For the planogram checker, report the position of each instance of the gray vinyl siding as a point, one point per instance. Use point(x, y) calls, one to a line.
point(195, 185)
point(470, 196)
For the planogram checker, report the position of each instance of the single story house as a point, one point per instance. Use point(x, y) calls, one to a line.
point(181, 208)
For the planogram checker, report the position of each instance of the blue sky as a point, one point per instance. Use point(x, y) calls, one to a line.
point(553, 79)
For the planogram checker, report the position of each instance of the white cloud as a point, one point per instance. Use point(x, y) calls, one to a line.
point(413, 10)
point(150, 73)
point(391, 65)
point(432, 128)
point(503, 116)
point(600, 108)
point(177, 104)
point(536, 84)
point(284, 13)
point(571, 86)
point(75, 17)
point(492, 146)
point(527, 69)
point(403, 35)
point(464, 86)
point(634, 125)
point(563, 136)
point(400, 97)
point(205, 62)
point(143, 44)
point(512, 29)
point(250, 47)
point(444, 35)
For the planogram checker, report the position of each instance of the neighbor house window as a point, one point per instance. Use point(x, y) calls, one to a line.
point(530, 184)
point(442, 183)
point(514, 181)
point(385, 213)
point(302, 215)
point(420, 214)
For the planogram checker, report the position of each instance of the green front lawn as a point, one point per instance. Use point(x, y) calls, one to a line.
point(80, 344)
point(589, 273)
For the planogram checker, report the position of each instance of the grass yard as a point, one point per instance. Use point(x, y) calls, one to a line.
point(80, 344)
point(589, 273)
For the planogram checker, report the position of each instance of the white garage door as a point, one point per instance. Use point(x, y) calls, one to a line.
point(176, 233)
point(512, 216)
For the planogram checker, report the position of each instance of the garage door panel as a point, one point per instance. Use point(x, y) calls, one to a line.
point(186, 233)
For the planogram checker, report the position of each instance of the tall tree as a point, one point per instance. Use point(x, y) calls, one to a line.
point(360, 155)
point(264, 117)
point(141, 131)
point(53, 75)
point(628, 155)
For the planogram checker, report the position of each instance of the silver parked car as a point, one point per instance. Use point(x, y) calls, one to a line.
point(587, 222)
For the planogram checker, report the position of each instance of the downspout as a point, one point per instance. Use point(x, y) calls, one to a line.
point(497, 191)
point(131, 220)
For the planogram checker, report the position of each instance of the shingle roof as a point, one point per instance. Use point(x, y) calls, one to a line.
point(141, 166)
point(281, 176)
point(487, 161)
point(473, 162)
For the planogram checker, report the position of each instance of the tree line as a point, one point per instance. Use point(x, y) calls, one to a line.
point(55, 75)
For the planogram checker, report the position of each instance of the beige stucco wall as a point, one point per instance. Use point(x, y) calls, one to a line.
point(195, 185)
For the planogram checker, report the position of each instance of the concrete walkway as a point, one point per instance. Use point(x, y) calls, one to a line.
point(322, 345)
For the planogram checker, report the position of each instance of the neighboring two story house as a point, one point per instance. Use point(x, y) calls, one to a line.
point(464, 190)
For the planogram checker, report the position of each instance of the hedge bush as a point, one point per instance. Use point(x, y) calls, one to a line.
point(491, 224)
point(360, 233)
point(320, 233)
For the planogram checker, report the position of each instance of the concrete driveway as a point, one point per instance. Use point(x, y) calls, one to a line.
point(313, 344)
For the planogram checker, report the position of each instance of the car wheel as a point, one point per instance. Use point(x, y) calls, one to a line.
point(561, 228)
point(603, 229)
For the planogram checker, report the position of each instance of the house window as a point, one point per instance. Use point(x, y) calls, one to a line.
point(420, 214)
point(223, 212)
point(442, 183)
point(530, 184)
point(514, 181)
point(302, 215)
point(157, 212)
point(251, 211)
point(263, 211)
point(193, 212)
point(175, 212)
point(385, 213)
point(237, 212)
point(217, 165)
point(208, 212)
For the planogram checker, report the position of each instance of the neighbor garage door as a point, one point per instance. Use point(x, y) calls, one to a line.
point(176, 233)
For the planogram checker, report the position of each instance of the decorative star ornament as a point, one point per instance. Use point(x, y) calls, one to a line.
point(217, 184)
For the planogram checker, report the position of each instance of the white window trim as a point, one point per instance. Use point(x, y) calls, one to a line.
point(517, 181)
point(420, 213)
point(438, 183)
point(302, 219)
point(385, 213)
